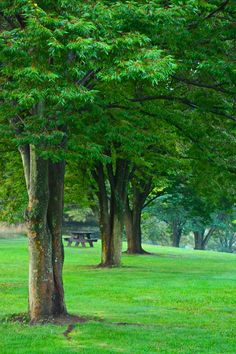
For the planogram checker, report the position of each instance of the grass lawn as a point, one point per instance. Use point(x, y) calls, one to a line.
point(178, 301)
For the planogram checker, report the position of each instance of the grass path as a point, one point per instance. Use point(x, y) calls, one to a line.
point(178, 301)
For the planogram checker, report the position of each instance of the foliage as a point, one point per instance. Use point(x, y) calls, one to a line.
point(151, 82)
point(225, 235)
point(77, 214)
point(155, 231)
point(13, 196)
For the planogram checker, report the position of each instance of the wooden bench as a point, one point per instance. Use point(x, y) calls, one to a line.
point(80, 237)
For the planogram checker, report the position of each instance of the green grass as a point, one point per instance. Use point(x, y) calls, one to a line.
point(178, 301)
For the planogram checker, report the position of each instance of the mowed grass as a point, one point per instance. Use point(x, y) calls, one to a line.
point(176, 301)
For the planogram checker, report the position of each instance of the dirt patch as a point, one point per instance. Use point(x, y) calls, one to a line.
point(22, 318)
point(68, 331)
point(78, 319)
point(67, 319)
point(71, 327)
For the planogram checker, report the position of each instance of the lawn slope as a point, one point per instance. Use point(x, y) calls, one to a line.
point(176, 301)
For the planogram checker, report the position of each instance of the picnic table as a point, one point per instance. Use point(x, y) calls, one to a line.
point(82, 237)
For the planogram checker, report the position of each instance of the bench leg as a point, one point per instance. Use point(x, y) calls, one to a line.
point(83, 244)
point(91, 243)
point(76, 244)
point(69, 243)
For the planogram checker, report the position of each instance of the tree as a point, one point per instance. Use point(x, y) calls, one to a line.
point(124, 176)
point(170, 209)
point(13, 196)
point(223, 239)
point(67, 65)
point(43, 99)
point(201, 238)
point(197, 102)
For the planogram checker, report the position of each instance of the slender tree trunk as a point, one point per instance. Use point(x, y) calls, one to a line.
point(199, 240)
point(118, 185)
point(230, 243)
point(104, 216)
point(133, 229)
point(176, 234)
point(54, 218)
point(112, 211)
point(111, 227)
point(117, 222)
point(133, 218)
point(128, 220)
point(44, 215)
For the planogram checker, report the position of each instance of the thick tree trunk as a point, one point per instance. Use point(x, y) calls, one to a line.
point(44, 215)
point(41, 283)
point(176, 234)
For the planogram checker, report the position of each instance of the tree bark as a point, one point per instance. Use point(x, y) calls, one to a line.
point(117, 222)
point(133, 228)
point(54, 218)
point(45, 182)
point(133, 217)
point(176, 233)
point(112, 210)
point(25, 156)
point(198, 239)
point(201, 238)
point(104, 216)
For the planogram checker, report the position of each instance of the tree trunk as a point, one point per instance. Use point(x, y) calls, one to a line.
point(44, 216)
point(133, 229)
point(112, 212)
point(54, 217)
point(117, 223)
point(104, 216)
point(202, 238)
point(199, 240)
point(176, 233)
point(133, 217)
point(111, 227)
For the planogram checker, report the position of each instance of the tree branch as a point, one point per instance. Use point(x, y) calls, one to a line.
point(20, 20)
point(203, 85)
point(86, 78)
point(152, 199)
point(218, 9)
point(8, 19)
point(211, 14)
point(183, 100)
point(191, 139)
point(208, 235)
point(164, 97)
